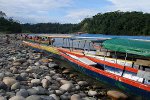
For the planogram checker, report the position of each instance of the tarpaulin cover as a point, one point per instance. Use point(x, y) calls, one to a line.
point(137, 47)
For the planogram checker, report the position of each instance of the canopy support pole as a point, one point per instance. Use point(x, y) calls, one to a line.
point(116, 56)
point(78, 44)
point(63, 43)
point(126, 58)
point(72, 44)
point(84, 47)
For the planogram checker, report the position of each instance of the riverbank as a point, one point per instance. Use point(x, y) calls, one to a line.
point(29, 75)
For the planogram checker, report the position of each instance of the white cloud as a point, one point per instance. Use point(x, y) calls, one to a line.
point(80, 14)
point(130, 5)
point(36, 10)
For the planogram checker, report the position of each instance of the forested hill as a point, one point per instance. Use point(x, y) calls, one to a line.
point(49, 28)
point(112, 23)
point(8, 25)
point(118, 23)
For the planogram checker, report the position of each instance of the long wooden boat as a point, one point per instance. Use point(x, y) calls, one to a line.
point(125, 77)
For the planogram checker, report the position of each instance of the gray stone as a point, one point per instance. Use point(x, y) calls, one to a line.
point(40, 90)
point(2, 75)
point(89, 98)
point(8, 74)
point(32, 91)
point(23, 93)
point(65, 81)
point(92, 93)
point(77, 87)
point(34, 97)
point(75, 97)
point(52, 72)
point(64, 97)
point(15, 86)
point(9, 81)
point(10, 94)
point(45, 83)
point(36, 81)
point(54, 96)
point(24, 75)
point(52, 65)
point(53, 87)
point(37, 64)
point(2, 98)
point(43, 67)
point(66, 87)
point(14, 70)
point(48, 78)
point(16, 64)
point(17, 98)
point(47, 98)
point(82, 94)
point(3, 85)
point(59, 92)
point(82, 83)
point(20, 78)
point(66, 71)
point(116, 95)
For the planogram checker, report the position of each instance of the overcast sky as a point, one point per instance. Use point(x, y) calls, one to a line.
point(66, 11)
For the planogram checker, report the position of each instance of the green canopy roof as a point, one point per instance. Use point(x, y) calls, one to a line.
point(137, 47)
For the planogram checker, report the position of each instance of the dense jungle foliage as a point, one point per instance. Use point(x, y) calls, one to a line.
point(111, 23)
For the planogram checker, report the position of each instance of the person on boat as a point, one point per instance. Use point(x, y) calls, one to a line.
point(52, 41)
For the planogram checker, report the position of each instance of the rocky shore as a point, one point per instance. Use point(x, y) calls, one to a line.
point(29, 75)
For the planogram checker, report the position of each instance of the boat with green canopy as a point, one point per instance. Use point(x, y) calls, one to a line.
point(137, 47)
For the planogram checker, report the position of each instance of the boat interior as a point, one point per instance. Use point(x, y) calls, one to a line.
point(83, 50)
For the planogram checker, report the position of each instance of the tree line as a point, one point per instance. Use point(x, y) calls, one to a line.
point(8, 25)
point(111, 23)
point(118, 23)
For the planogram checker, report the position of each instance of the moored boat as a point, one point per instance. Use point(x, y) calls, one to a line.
point(125, 77)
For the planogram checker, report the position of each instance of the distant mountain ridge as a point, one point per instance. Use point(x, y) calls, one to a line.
point(111, 23)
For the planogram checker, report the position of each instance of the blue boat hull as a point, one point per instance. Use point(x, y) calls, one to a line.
point(125, 87)
point(145, 95)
